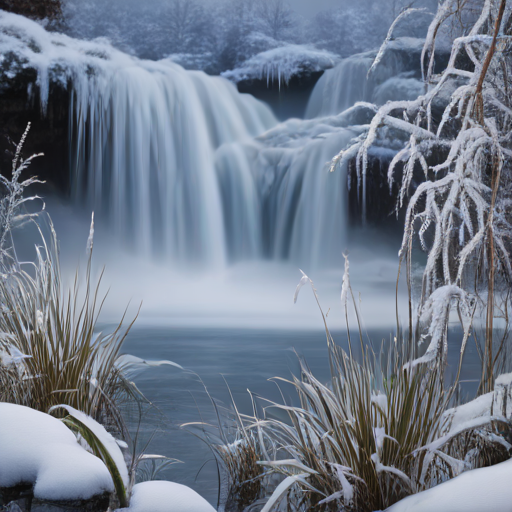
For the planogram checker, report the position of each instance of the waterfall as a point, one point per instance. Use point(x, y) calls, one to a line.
point(394, 78)
point(179, 165)
point(302, 206)
point(144, 144)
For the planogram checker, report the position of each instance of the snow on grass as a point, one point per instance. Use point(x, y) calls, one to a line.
point(474, 491)
point(108, 441)
point(160, 496)
point(36, 448)
point(477, 408)
point(281, 64)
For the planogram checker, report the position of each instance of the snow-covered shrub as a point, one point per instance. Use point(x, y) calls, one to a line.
point(460, 155)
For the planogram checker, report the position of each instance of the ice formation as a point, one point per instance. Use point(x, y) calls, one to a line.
point(281, 64)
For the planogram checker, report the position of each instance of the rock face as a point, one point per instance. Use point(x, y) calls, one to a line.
point(48, 134)
point(33, 8)
point(21, 499)
point(286, 100)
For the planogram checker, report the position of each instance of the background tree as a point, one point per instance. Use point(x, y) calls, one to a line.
point(186, 26)
point(275, 18)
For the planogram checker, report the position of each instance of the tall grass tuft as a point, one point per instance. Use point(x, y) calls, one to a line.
point(50, 350)
point(375, 433)
point(64, 360)
point(237, 449)
point(354, 440)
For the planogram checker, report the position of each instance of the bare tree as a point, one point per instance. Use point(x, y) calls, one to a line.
point(185, 21)
point(460, 212)
point(276, 17)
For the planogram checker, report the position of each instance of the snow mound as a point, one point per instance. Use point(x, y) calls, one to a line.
point(36, 448)
point(281, 64)
point(105, 438)
point(474, 491)
point(159, 496)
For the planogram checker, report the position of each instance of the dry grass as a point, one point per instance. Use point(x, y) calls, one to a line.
point(238, 450)
point(62, 359)
point(354, 441)
point(50, 350)
point(375, 433)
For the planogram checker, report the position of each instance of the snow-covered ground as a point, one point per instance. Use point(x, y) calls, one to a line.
point(479, 490)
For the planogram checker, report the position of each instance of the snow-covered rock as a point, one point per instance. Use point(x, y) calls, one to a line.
point(474, 491)
point(281, 64)
point(160, 496)
point(37, 449)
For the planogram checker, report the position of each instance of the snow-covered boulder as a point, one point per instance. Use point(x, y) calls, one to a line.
point(474, 491)
point(160, 496)
point(281, 64)
point(38, 449)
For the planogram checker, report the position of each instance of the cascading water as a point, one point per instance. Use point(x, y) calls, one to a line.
point(302, 205)
point(143, 139)
point(182, 166)
point(346, 84)
point(144, 144)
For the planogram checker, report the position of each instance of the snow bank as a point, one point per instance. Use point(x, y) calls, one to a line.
point(38, 449)
point(159, 496)
point(280, 64)
point(497, 403)
point(474, 491)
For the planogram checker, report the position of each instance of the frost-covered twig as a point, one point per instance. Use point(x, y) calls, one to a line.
point(464, 157)
point(12, 200)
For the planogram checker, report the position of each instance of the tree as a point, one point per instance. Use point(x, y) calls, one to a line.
point(276, 18)
point(185, 23)
point(460, 211)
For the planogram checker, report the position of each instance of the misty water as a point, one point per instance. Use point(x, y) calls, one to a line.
point(205, 209)
point(241, 359)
